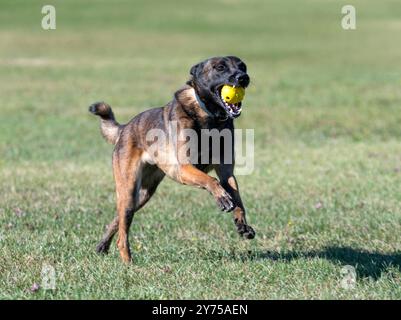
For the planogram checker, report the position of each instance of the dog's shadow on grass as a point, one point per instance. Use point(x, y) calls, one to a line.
point(367, 264)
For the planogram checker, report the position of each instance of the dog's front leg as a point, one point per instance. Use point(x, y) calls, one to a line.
point(190, 175)
point(229, 183)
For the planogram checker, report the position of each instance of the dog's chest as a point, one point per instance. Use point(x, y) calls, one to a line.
point(211, 145)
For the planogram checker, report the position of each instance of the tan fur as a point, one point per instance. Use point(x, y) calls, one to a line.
point(110, 131)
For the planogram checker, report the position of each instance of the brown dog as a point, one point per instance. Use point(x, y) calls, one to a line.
point(140, 163)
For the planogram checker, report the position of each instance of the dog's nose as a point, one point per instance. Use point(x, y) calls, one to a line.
point(242, 79)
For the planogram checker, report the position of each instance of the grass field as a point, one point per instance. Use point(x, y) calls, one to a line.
point(326, 189)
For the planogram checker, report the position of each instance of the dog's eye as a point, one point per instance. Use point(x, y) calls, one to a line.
point(220, 67)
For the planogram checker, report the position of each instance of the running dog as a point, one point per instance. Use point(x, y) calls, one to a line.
point(138, 170)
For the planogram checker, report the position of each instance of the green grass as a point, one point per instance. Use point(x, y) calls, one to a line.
point(326, 189)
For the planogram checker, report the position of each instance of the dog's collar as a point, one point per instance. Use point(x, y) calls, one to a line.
point(203, 107)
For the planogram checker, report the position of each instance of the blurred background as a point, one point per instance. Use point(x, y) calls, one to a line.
point(325, 106)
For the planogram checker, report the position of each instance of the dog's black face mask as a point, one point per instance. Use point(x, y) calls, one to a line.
point(208, 78)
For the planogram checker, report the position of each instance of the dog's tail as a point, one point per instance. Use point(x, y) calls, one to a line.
point(109, 127)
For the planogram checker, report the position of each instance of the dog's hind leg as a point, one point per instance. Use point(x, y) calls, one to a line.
point(136, 181)
point(104, 244)
point(127, 175)
point(151, 177)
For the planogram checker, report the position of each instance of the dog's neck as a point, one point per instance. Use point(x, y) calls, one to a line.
point(191, 103)
point(194, 106)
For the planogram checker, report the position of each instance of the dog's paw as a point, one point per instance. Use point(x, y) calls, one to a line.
point(246, 231)
point(224, 200)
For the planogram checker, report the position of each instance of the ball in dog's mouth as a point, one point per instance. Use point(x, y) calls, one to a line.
point(231, 98)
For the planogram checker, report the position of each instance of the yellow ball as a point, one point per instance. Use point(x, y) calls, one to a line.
point(231, 94)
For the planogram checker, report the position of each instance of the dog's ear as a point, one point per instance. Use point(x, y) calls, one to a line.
point(196, 69)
